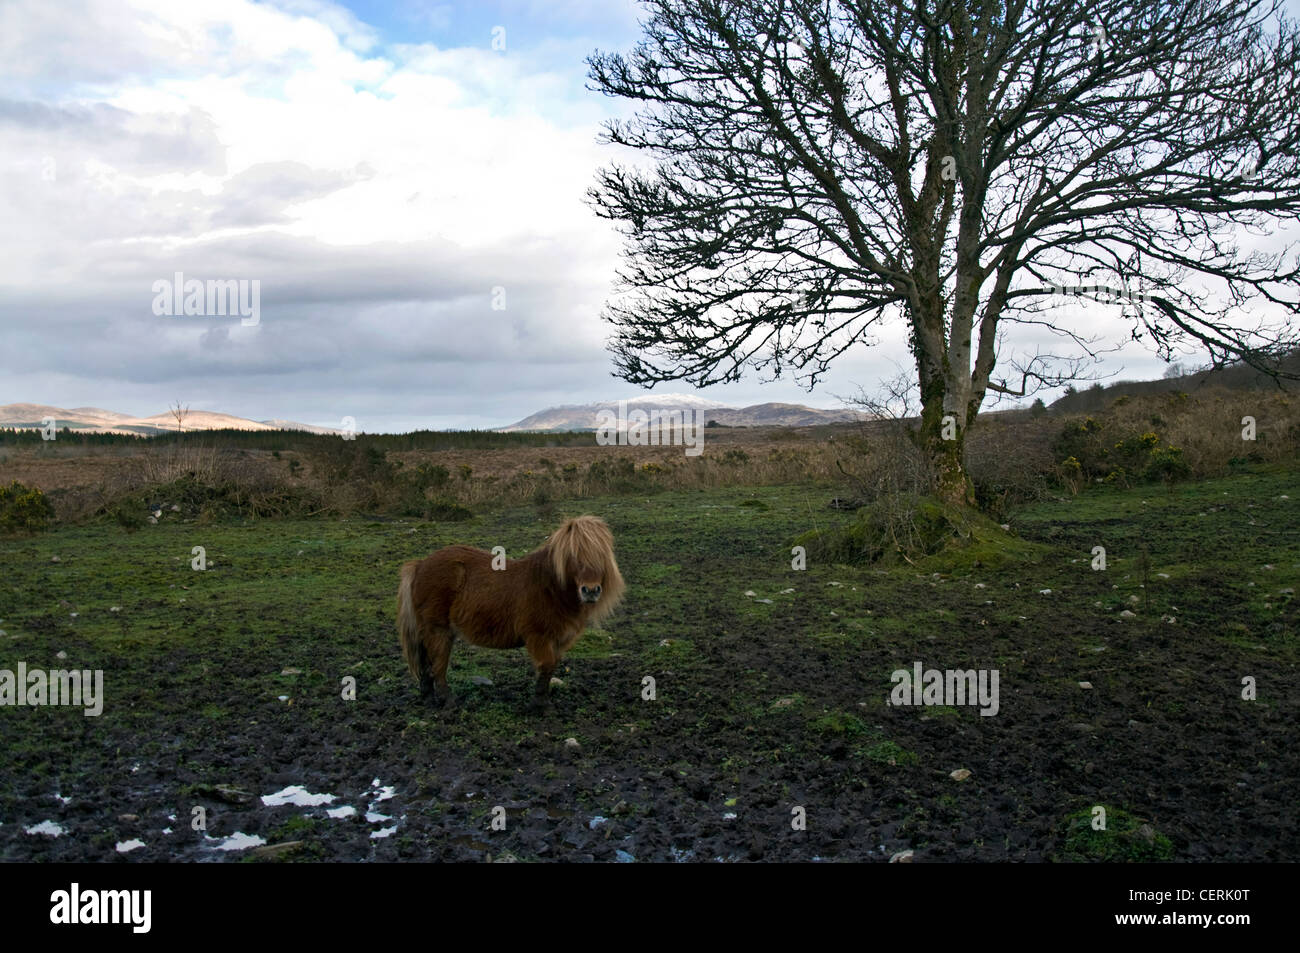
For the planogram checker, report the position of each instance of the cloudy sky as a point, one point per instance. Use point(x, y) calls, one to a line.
point(381, 170)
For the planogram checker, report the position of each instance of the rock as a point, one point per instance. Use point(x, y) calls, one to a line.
point(571, 744)
point(227, 793)
point(961, 774)
point(277, 850)
point(1128, 614)
point(785, 702)
point(291, 671)
point(750, 592)
point(902, 857)
point(62, 655)
point(480, 680)
point(1085, 685)
point(129, 818)
point(175, 507)
point(557, 682)
point(1145, 833)
point(1044, 592)
point(55, 559)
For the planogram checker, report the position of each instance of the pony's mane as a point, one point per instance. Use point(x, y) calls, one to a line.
point(587, 541)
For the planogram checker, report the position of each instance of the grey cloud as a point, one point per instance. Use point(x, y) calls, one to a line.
point(141, 143)
point(260, 194)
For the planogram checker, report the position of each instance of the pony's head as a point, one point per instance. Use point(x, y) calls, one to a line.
point(582, 558)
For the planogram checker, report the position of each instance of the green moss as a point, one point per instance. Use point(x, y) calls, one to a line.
point(1126, 839)
point(922, 532)
point(890, 753)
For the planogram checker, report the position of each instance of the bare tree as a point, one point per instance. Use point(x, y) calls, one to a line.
point(825, 165)
point(180, 413)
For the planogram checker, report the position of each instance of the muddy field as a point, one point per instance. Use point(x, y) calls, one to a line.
point(224, 693)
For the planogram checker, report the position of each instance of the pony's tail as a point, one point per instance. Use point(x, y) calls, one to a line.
point(408, 624)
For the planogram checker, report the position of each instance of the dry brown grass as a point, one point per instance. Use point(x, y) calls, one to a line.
point(1012, 458)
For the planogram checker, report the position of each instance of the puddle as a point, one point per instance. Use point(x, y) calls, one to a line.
point(126, 846)
point(341, 812)
point(298, 796)
point(377, 793)
point(383, 832)
point(48, 828)
point(238, 841)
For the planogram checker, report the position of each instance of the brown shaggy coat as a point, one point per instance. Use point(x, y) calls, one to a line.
point(542, 602)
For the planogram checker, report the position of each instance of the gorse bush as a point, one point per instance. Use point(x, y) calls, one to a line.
point(1172, 437)
point(24, 509)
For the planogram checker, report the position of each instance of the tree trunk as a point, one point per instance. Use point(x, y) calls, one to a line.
point(943, 440)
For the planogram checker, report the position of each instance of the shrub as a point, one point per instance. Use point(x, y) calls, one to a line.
point(1168, 465)
point(23, 509)
point(449, 511)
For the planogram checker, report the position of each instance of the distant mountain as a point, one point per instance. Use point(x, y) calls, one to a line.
point(277, 424)
point(97, 420)
point(588, 416)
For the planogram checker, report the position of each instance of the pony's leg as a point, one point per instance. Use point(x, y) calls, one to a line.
point(545, 658)
point(426, 672)
point(433, 682)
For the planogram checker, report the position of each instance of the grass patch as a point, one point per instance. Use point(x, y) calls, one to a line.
point(1126, 839)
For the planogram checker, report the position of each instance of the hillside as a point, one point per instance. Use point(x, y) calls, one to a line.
point(588, 416)
point(97, 420)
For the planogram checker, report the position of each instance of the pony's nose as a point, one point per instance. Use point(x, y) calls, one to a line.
point(591, 590)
